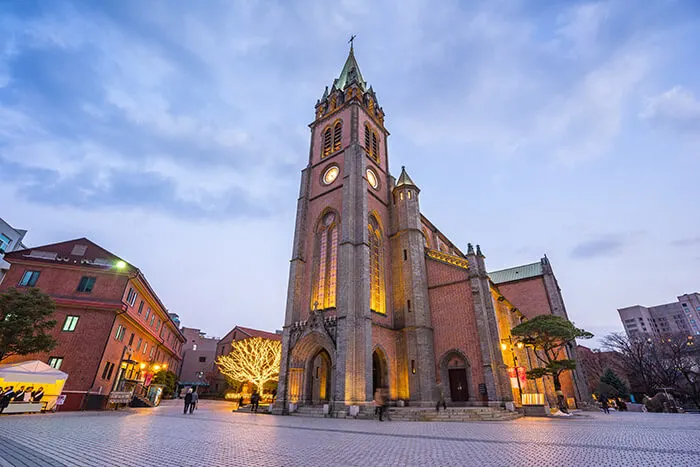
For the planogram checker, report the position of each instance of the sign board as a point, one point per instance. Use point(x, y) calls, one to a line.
point(482, 389)
point(119, 397)
point(60, 399)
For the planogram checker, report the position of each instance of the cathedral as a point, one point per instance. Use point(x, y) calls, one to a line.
point(379, 297)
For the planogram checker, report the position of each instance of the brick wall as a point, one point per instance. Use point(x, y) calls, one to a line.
point(452, 312)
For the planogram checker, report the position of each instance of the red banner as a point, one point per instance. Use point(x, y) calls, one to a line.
point(522, 375)
point(147, 379)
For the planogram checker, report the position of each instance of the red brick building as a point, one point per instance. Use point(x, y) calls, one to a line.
point(379, 297)
point(111, 326)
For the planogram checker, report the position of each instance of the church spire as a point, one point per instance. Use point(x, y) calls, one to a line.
point(351, 72)
point(404, 179)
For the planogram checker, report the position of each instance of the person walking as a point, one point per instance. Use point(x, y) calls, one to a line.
point(379, 403)
point(188, 400)
point(6, 397)
point(193, 403)
point(440, 399)
point(605, 406)
point(377, 398)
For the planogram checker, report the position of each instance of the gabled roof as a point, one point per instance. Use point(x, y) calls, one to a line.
point(250, 332)
point(78, 252)
point(525, 271)
point(350, 74)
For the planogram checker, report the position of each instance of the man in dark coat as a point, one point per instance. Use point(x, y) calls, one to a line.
point(188, 400)
point(6, 397)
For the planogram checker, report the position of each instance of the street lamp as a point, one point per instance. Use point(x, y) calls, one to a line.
point(504, 346)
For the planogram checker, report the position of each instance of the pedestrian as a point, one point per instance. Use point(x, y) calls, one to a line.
point(379, 403)
point(7, 394)
point(188, 400)
point(385, 405)
point(274, 395)
point(254, 399)
point(440, 399)
point(195, 399)
point(604, 405)
point(377, 398)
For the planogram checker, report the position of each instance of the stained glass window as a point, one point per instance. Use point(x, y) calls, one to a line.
point(324, 289)
point(376, 268)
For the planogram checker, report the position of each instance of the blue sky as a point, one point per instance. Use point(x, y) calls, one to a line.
point(173, 134)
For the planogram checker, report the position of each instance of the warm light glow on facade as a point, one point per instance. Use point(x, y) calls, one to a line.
point(377, 294)
point(120, 264)
point(326, 266)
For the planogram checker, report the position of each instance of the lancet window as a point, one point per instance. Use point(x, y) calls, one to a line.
point(376, 267)
point(326, 264)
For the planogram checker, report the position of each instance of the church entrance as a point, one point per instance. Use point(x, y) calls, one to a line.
point(380, 377)
point(458, 384)
point(321, 378)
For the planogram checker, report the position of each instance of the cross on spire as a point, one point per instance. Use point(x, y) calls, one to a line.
point(351, 41)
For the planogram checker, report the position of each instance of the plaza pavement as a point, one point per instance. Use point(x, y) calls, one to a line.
point(213, 436)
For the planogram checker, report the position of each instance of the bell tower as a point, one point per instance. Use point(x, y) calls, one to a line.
point(337, 285)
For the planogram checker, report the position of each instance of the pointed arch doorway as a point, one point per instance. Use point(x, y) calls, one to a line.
point(321, 378)
point(380, 373)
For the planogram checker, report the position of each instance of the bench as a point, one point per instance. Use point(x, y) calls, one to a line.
point(24, 407)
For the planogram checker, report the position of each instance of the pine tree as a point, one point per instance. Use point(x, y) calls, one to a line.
point(614, 381)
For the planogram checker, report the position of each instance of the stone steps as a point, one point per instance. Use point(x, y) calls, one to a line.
point(453, 414)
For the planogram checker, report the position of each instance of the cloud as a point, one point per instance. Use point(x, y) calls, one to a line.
point(686, 242)
point(677, 109)
point(605, 246)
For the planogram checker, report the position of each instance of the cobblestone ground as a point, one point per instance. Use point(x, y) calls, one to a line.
point(213, 436)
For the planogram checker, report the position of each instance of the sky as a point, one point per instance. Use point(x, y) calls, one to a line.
point(173, 133)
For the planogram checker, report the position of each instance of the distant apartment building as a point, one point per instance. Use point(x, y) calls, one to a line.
point(10, 240)
point(680, 317)
point(198, 355)
point(112, 330)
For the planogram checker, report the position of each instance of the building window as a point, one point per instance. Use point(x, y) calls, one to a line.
point(131, 339)
point(148, 313)
point(70, 323)
point(29, 278)
point(153, 349)
point(337, 135)
point(153, 318)
point(408, 305)
point(145, 346)
point(141, 307)
point(375, 147)
point(325, 265)
point(56, 362)
point(158, 325)
point(86, 284)
point(138, 345)
point(119, 335)
point(107, 372)
point(131, 296)
point(202, 359)
point(194, 346)
point(327, 142)
point(377, 301)
point(4, 243)
point(371, 143)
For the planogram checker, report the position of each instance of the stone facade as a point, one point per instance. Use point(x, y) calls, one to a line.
point(378, 297)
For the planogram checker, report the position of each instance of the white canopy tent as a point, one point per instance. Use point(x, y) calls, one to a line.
point(37, 374)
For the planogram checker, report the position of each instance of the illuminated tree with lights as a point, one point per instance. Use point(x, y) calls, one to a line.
point(256, 360)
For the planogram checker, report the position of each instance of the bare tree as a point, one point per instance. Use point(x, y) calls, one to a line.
point(255, 359)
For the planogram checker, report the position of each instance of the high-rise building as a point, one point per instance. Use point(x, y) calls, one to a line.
point(10, 240)
point(680, 317)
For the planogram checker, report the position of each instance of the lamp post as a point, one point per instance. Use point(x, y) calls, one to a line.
point(505, 344)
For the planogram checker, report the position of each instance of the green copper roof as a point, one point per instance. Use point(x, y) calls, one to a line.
point(351, 73)
point(525, 271)
point(404, 179)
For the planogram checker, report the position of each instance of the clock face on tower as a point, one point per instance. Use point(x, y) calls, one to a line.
point(372, 179)
point(330, 174)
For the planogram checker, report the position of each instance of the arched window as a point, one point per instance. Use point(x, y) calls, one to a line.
point(337, 135)
point(368, 139)
point(377, 295)
point(326, 263)
point(327, 142)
